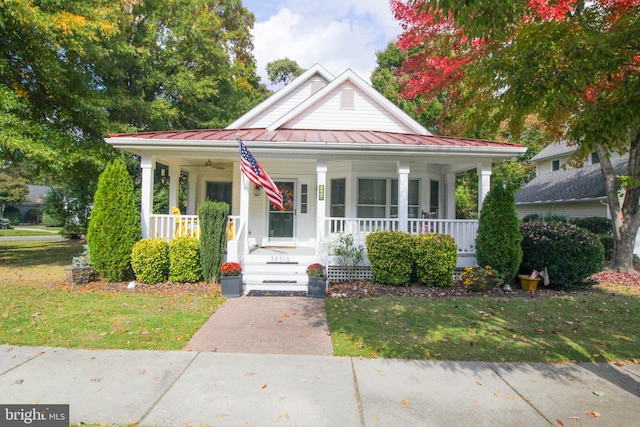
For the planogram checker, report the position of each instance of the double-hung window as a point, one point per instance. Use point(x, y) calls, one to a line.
point(378, 198)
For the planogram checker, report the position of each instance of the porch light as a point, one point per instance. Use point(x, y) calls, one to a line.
point(256, 191)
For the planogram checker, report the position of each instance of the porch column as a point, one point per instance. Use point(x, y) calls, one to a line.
point(321, 182)
point(147, 165)
point(245, 188)
point(403, 196)
point(484, 182)
point(191, 198)
point(450, 192)
point(174, 184)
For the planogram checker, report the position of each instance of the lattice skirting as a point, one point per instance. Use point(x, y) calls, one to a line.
point(341, 274)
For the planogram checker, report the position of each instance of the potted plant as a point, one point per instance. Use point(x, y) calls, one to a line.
point(81, 271)
point(231, 279)
point(317, 285)
point(529, 283)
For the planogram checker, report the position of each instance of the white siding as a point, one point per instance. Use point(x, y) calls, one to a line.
point(284, 105)
point(366, 114)
point(570, 210)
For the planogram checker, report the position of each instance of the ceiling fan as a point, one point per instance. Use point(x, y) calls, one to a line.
point(209, 164)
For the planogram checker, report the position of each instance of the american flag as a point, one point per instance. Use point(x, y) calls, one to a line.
point(252, 170)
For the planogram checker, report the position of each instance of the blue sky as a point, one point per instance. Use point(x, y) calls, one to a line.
point(338, 34)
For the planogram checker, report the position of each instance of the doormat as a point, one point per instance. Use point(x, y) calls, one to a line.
point(259, 293)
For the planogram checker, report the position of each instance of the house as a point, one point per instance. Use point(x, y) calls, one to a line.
point(347, 161)
point(561, 189)
point(29, 211)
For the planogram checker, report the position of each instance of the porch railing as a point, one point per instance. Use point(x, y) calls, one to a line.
point(172, 226)
point(463, 231)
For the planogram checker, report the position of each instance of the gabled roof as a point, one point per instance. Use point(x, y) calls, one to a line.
point(581, 184)
point(317, 70)
point(554, 150)
point(309, 103)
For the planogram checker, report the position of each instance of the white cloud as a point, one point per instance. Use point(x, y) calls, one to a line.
point(338, 34)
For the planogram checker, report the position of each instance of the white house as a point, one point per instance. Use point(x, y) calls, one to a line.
point(347, 159)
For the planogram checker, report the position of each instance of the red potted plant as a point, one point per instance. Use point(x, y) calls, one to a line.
point(231, 279)
point(317, 285)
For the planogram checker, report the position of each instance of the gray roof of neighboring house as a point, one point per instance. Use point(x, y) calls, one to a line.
point(568, 185)
point(37, 192)
point(556, 149)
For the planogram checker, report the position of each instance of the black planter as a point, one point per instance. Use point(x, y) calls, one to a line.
point(231, 286)
point(317, 287)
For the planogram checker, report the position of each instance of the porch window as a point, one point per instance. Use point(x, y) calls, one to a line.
point(219, 192)
point(372, 198)
point(434, 198)
point(338, 198)
point(414, 198)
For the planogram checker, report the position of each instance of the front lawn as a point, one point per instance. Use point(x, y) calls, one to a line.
point(37, 309)
point(586, 326)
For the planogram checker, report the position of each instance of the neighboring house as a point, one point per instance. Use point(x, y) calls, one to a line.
point(29, 210)
point(564, 190)
point(347, 159)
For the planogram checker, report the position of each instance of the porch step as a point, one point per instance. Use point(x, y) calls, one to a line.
point(277, 271)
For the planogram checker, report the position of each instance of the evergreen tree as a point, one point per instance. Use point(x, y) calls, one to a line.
point(114, 226)
point(212, 217)
point(498, 241)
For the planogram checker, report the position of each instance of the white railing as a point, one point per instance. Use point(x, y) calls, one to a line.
point(169, 227)
point(463, 231)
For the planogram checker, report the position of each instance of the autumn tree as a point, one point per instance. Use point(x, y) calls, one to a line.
point(573, 63)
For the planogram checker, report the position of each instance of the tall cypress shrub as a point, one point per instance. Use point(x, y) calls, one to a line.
point(498, 240)
point(114, 226)
point(212, 217)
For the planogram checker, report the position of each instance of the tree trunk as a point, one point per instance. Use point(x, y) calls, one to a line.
point(626, 218)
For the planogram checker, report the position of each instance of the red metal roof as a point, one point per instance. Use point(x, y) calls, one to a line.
point(315, 136)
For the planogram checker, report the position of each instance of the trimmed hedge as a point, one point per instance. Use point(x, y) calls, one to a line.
point(571, 254)
point(184, 260)
point(595, 224)
point(150, 260)
point(435, 257)
point(212, 217)
point(391, 256)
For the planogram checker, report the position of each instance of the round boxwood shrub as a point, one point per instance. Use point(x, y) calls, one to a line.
point(571, 254)
point(390, 255)
point(435, 258)
point(150, 260)
point(184, 260)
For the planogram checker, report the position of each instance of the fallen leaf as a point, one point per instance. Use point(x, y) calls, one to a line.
point(282, 397)
point(20, 381)
point(599, 393)
point(479, 383)
point(405, 402)
point(559, 421)
point(594, 414)
point(264, 386)
point(285, 416)
point(575, 418)
point(221, 415)
point(569, 378)
point(250, 374)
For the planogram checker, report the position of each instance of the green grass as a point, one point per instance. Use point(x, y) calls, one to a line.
point(35, 311)
point(585, 327)
point(31, 232)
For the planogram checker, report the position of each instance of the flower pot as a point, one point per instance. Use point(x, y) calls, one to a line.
point(231, 286)
point(78, 275)
point(527, 283)
point(317, 287)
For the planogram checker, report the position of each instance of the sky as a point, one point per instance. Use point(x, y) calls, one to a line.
point(337, 34)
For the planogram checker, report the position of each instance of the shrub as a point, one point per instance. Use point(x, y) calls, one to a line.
point(184, 258)
point(595, 224)
point(607, 244)
point(82, 260)
point(150, 260)
point(115, 223)
point(480, 279)
point(32, 215)
point(13, 214)
point(349, 254)
point(390, 254)
point(530, 217)
point(571, 254)
point(435, 258)
point(212, 217)
point(498, 241)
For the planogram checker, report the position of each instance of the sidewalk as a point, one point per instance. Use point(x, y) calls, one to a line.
point(180, 388)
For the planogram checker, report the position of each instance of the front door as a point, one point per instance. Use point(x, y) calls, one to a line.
point(282, 222)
